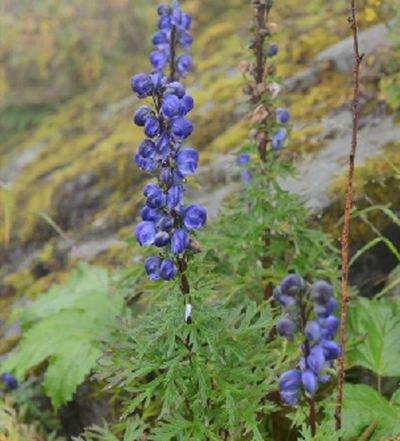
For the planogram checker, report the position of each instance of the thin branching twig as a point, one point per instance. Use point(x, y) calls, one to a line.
point(346, 223)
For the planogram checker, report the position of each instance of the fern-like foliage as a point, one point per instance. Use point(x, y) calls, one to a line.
point(199, 380)
point(65, 327)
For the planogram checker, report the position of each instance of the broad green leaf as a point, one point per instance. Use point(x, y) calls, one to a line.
point(377, 325)
point(363, 406)
point(66, 372)
point(77, 292)
point(78, 317)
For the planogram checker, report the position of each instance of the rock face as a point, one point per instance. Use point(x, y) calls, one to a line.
point(341, 54)
point(315, 172)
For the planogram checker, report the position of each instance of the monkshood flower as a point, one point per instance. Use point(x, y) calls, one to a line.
point(278, 138)
point(242, 161)
point(9, 381)
point(167, 223)
point(308, 312)
point(272, 50)
point(282, 115)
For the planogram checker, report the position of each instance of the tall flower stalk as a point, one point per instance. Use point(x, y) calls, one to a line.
point(348, 202)
point(167, 223)
point(308, 312)
point(269, 122)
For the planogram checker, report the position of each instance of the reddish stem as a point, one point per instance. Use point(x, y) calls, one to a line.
point(346, 222)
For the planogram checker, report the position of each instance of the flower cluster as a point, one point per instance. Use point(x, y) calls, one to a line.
point(166, 222)
point(282, 117)
point(308, 311)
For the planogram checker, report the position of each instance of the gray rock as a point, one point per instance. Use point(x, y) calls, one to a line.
point(315, 172)
point(92, 248)
point(341, 54)
point(303, 80)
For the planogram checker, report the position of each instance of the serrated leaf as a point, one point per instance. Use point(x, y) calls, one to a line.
point(377, 325)
point(69, 337)
point(77, 292)
point(363, 406)
point(65, 373)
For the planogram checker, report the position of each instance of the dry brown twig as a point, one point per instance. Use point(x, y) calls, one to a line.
point(347, 212)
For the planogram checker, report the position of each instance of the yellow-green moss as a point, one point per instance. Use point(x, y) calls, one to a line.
point(376, 182)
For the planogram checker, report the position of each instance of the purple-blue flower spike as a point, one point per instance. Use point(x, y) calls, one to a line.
point(308, 311)
point(166, 222)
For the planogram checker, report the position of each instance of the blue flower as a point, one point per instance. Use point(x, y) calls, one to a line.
point(290, 397)
point(165, 223)
point(290, 380)
point(147, 149)
point(312, 331)
point(186, 161)
point(171, 106)
point(158, 59)
point(289, 385)
point(142, 85)
point(10, 382)
point(168, 269)
point(325, 310)
point(179, 241)
point(285, 327)
point(292, 284)
point(164, 10)
point(174, 196)
point(183, 64)
point(166, 176)
point(316, 359)
point(273, 50)
point(141, 115)
point(185, 39)
point(329, 326)
point(282, 115)
point(283, 299)
point(243, 159)
point(164, 23)
point(331, 349)
point(160, 37)
point(152, 267)
point(150, 214)
point(152, 127)
point(181, 128)
point(309, 381)
point(186, 21)
point(195, 217)
point(175, 88)
point(155, 196)
point(162, 238)
point(186, 105)
point(278, 138)
point(163, 145)
point(321, 292)
point(145, 233)
point(246, 176)
point(146, 164)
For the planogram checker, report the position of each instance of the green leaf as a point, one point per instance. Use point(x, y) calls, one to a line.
point(395, 400)
point(84, 282)
point(363, 406)
point(377, 324)
point(69, 336)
